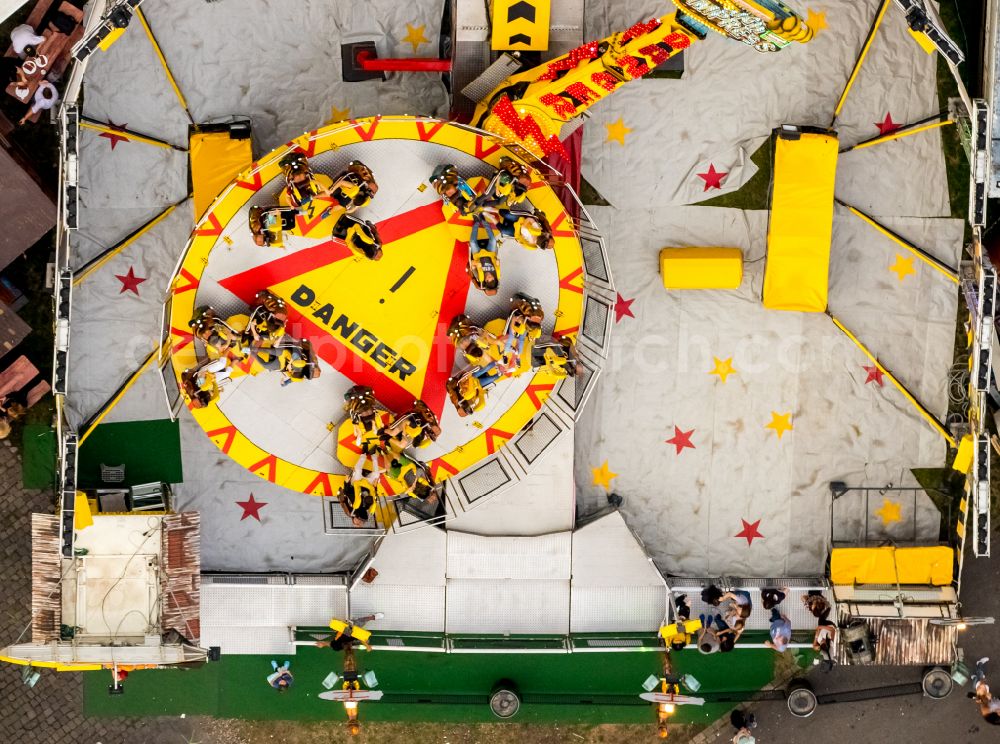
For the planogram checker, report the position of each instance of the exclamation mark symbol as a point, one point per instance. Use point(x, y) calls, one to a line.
point(400, 282)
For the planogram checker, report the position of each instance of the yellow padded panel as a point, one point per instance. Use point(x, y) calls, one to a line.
point(932, 565)
point(963, 458)
point(82, 517)
point(796, 276)
point(521, 24)
point(216, 159)
point(701, 268)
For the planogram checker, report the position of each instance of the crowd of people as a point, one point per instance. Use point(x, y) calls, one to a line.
point(254, 341)
point(387, 464)
point(345, 635)
point(719, 630)
point(40, 54)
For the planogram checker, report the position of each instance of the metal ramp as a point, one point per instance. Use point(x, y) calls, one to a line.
point(257, 613)
point(508, 585)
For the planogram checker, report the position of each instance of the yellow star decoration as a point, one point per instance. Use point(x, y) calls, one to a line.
point(415, 36)
point(723, 368)
point(603, 475)
point(889, 512)
point(903, 266)
point(617, 131)
point(816, 20)
point(337, 114)
point(780, 422)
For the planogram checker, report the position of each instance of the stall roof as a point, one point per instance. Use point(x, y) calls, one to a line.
point(26, 212)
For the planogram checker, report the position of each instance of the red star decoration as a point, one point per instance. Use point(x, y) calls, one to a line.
point(115, 138)
point(713, 178)
point(887, 125)
point(623, 308)
point(874, 374)
point(251, 508)
point(130, 282)
point(749, 531)
point(681, 439)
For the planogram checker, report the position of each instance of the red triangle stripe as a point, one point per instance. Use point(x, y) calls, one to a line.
point(492, 435)
point(320, 481)
point(566, 281)
point(255, 184)
point(561, 233)
point(214, 231)
point(229, 431)
point(535, 392)
point(427, 133)
point(366, 134)
point(192, 282)
point(271, 463)
point(185, 337)
point(440, 464)
point(484, 152)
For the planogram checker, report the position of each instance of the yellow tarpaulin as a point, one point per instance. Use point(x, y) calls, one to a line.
point(932, 565)
point(216, 159)
point(796, 276)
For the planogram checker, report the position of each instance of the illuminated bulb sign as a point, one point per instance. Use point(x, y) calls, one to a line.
point(766, 25)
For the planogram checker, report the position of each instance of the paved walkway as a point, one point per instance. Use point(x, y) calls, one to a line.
point(51, 712)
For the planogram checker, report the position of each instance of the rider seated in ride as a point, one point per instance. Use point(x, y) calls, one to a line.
point(555, 357)
point(355, 187)
point(524, 323)
point(267, 321)
point(484, 351)
point(416, 428)
point(508, 188)
point(484, 263)
point(368, 418)
point(220, 340)
point(415, 476)
point(298, 362)
point(361, 236)
point(530, 229)
point(357, 498)
point(301, 184)
point(202, 385)
point(268, 225)
point(454, 189)
point(466, 393)
point(483, 266)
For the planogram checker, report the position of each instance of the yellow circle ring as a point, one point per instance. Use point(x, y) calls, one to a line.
point(568, 314)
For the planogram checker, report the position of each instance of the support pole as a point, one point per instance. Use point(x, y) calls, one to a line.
point(917, 405)
point(99, 126)
point(920, 253)
point(89, 427)
point(370, 63)
point(924, 125)
point(861, 59)
point(98, 261)
point(163, 61)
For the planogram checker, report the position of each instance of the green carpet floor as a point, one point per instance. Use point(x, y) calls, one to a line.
point(583, 687)
point(38, 463)
point(149, 450)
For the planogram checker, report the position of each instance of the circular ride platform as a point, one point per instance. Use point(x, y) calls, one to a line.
point(377, 323)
